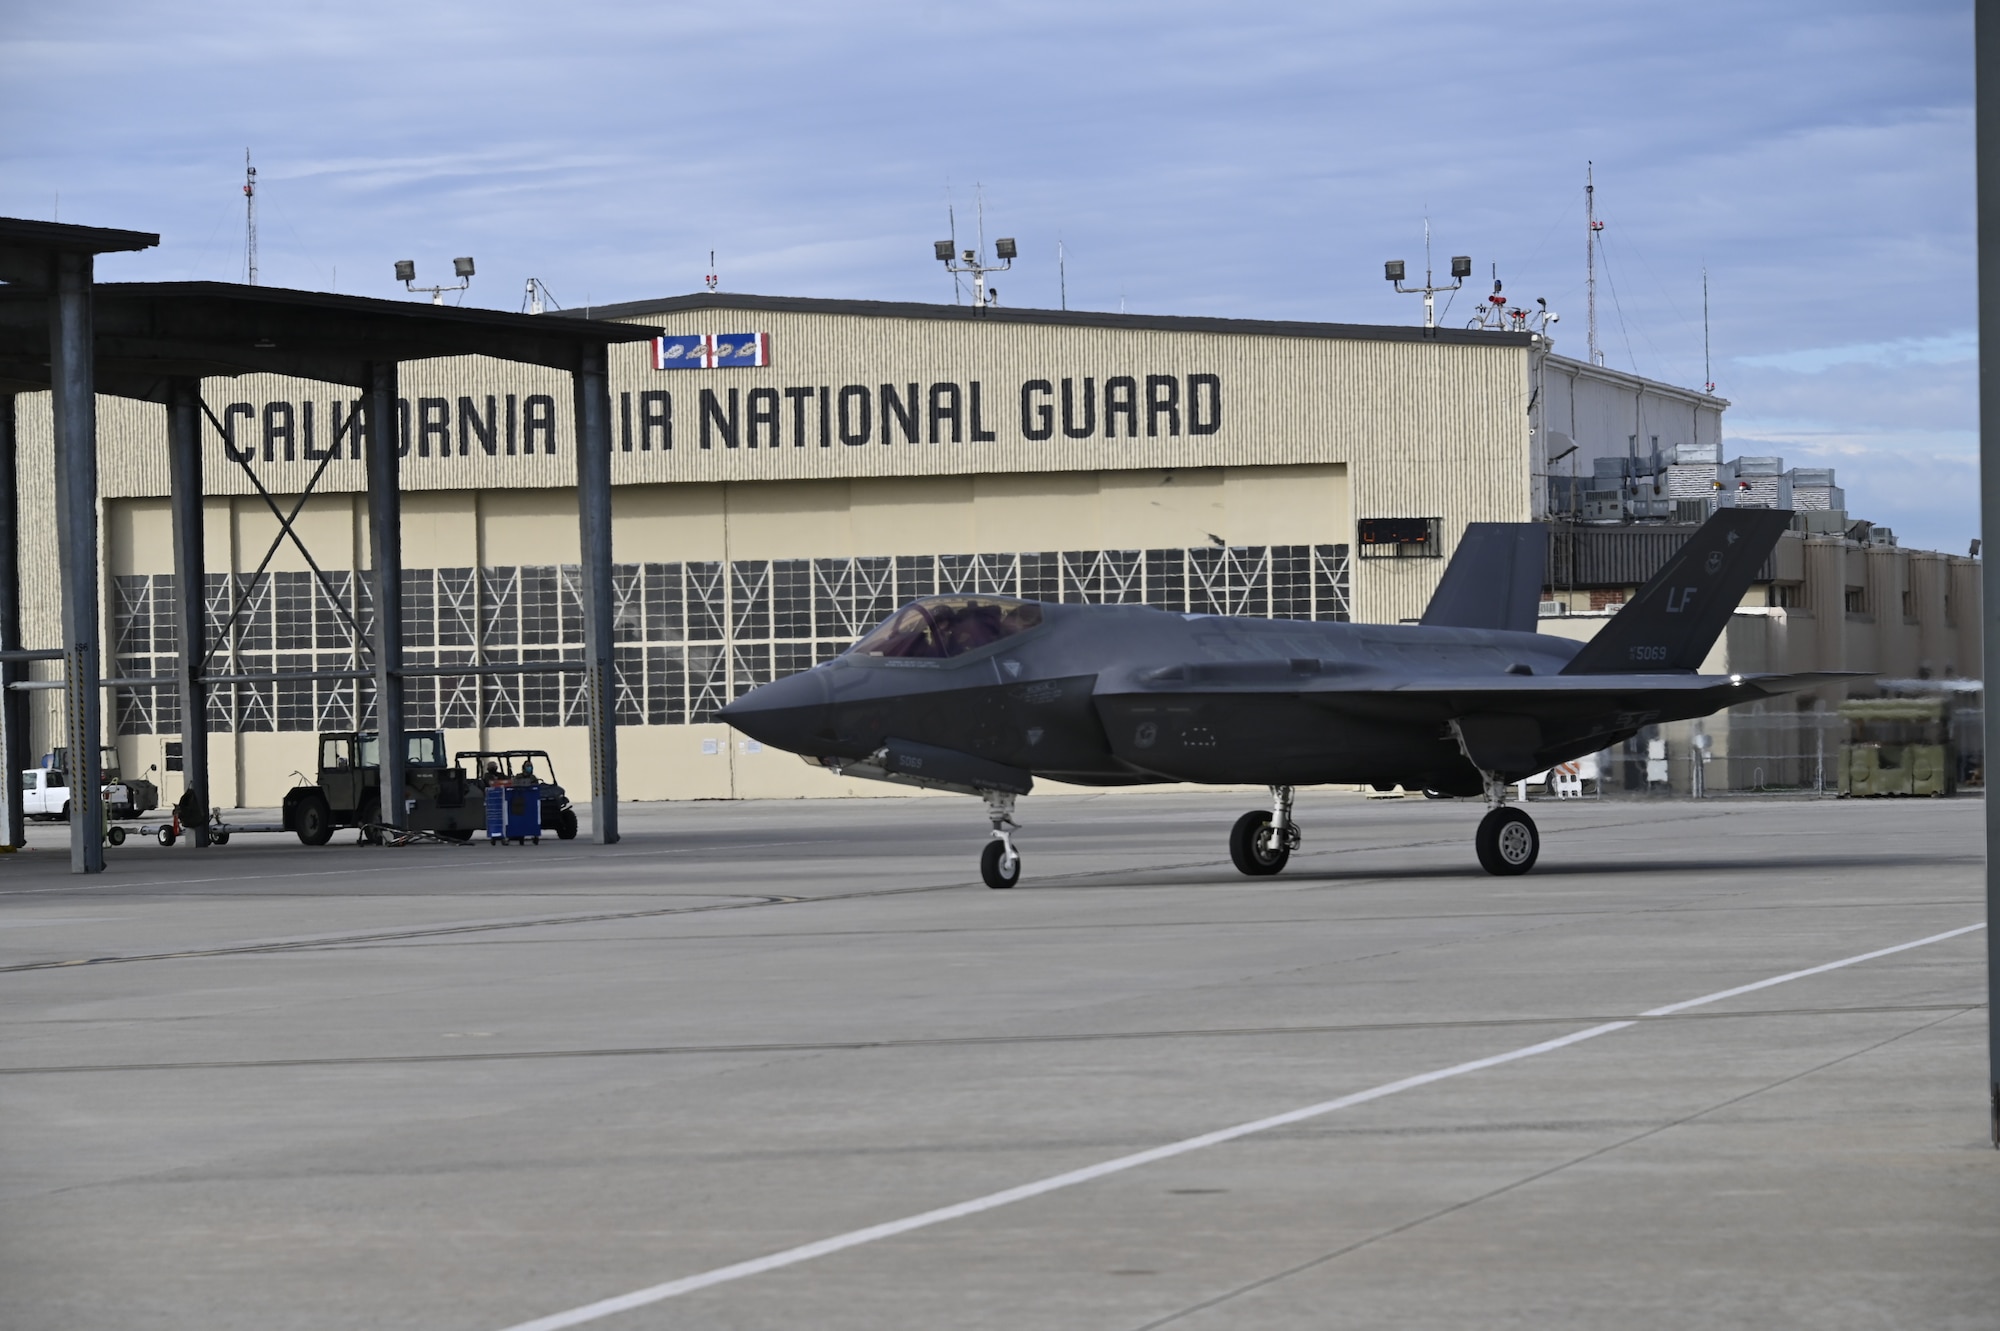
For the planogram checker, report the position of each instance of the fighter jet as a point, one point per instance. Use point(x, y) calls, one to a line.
point(981, 694)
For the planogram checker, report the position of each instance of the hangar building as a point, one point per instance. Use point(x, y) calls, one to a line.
point(789, 470)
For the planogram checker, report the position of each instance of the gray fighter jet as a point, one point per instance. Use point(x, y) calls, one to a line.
point(981, 694)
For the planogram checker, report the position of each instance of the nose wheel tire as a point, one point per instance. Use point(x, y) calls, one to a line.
point(1507, 842)
point(1253, 846)
point(997, 867)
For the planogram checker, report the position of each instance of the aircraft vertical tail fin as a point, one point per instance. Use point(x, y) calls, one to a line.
point(1495, 578)
point(1676, 618)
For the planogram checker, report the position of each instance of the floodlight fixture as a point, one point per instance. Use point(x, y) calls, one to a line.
point(967, 260)
point(1461, 265)
point(943, 248)
point(1461, 268)
point(406, 273)
point(1004, 247)
point(1393, 270)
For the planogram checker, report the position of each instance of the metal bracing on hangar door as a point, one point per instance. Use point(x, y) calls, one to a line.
point(156, 342)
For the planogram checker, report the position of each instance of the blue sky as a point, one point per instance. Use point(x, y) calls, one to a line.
point(1192, 159)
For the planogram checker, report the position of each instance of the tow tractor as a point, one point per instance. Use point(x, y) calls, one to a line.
point(439, 799)
point(502, 766)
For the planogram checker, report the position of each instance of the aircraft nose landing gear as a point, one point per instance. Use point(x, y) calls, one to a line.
point(1000, 863)
point(1263, 840)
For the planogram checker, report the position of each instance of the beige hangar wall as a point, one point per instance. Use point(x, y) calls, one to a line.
point(1305, 433)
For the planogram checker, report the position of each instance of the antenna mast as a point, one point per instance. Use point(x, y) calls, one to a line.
point(250, 218)
point(712, 279)
point(1707, 373)
point(1062, 273)
point(1591, 227)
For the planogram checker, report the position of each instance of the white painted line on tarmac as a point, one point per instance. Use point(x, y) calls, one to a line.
point(591, 1312)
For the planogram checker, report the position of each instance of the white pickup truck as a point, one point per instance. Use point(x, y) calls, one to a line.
point(45, 793)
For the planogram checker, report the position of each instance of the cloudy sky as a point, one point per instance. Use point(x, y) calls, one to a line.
point(1257, 161)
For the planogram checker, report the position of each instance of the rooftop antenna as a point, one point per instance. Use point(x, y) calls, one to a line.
point(250, 219)
point(1707, 372)
point(1062, 272)
point(537, 299)
point(711, 281)
point(1461, 268)
point(1591, 227)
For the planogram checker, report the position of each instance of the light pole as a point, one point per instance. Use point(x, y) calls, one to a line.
point(406, 273)
point(970, 262)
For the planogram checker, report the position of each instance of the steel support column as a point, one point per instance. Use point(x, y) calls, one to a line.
point(190, 589)
point(1986, 54)
point(385, 539)
point(72, 377)
point(592, 385)
point(13, 705)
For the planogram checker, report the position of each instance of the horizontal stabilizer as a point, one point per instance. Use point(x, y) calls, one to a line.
point(1676, 618)
point(1495, 579)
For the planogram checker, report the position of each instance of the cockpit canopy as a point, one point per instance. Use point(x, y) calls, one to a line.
point(943, 626)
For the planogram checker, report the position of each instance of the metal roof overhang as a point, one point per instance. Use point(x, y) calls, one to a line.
point(150, 332)
point(26, 247)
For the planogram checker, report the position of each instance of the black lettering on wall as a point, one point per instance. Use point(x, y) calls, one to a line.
point(624, 422)
point(1121, 398)
point(941, 394)
point(402, 427)
point(513, 424)
point(538, 416)
point(278, 425)
point(1038, 419)
point(1089, 427)
point(470, 427)
point(798, 397)
point(856, 422)
point(307, 448)
point(980, 434)
point(1198, 421)
point(351, 424)
point(899, 410)
point(433, 421)
point(656, 413)
point(1163, 398)
point(764, 413)
point(713, 418)
point(229, 414)
point(825, 419)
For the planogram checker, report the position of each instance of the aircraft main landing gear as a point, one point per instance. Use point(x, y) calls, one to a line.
point(1263, 840)
point(1000, 863)
point(1507, 841)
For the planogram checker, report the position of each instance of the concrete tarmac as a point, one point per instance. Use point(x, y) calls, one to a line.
point(272, 1087)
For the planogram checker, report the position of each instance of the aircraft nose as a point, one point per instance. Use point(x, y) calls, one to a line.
point(783, 712)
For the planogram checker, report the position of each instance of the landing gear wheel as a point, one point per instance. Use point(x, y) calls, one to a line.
point(1507, 841)
point(314, 821)
point(566, 825)
point(165, 836)
point(115, 835)
point(1253, 847)
point(997, 867)
point(218, 838)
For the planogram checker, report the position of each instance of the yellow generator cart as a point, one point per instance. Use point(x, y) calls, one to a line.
point(1901, 746)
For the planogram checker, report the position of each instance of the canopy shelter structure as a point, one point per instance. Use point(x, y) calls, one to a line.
point(157, 341)
point(48, 270)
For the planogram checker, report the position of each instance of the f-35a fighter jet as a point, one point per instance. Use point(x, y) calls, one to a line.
point(981, 694)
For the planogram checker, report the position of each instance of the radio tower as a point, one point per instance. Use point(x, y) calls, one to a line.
point(1591, 227)
point(250, 219)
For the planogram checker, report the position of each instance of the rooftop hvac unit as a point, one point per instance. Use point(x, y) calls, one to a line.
point(1760, 466)
point(1820, 476)
point(1686, 453)
point(1691, 510)
point(1604, 506)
